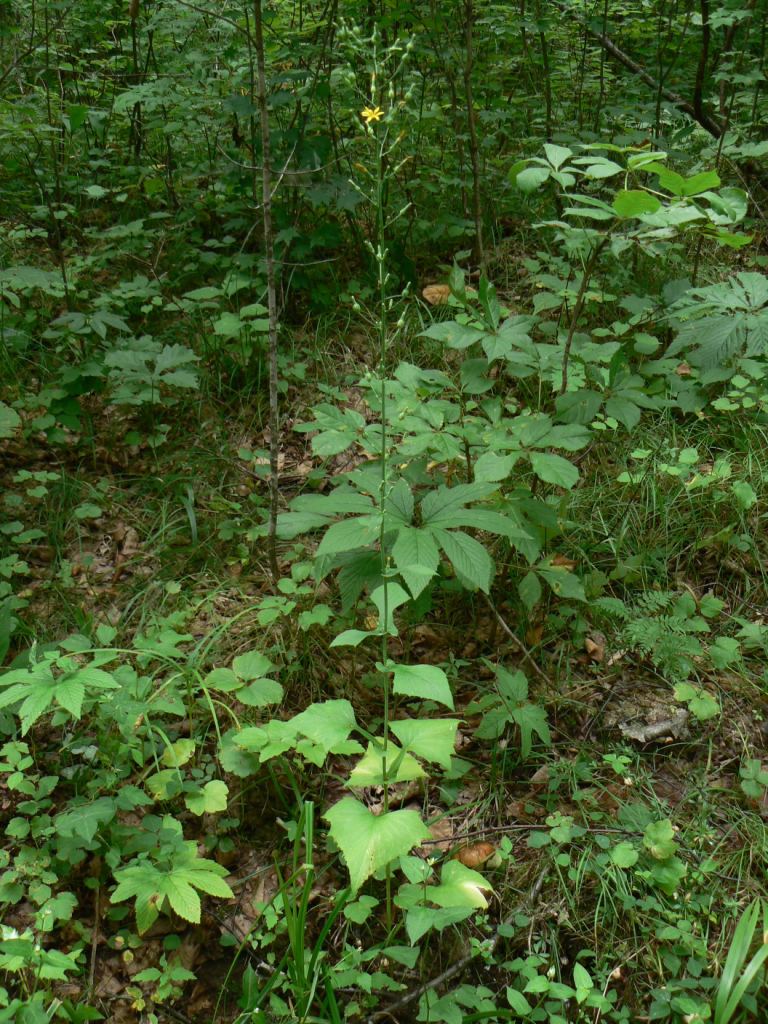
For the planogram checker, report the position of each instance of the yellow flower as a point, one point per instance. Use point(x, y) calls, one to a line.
point(370, 114)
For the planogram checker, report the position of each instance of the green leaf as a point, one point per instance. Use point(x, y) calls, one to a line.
point(659, 839)
point(554, 469)
point(431, 739)
point(531, 719)
point(349, 534)
point(70, 693)
point(85, 821)
point(529, 589)
point(359, 911)
point(471, 562)
point(563, 582)
point(445, 501)
point(493, 468)
point(460, 886)
point(182, 898)
point(87, 510)
point(623, 410)
point(454, 335)
point(369, 770)
point(744, 494)
point(211, 799)
point(624, 855)
point(395, 597)
point(327, 723)
point(698, 183)
point(10, 421)
point(252, 665)
point(369, 842)
point(178, 753)
point(417, 558)
point(557, 155)
point(260, 693)
point(518, 1002)
point(428, 682)
point(529, 179)
point(633, 202)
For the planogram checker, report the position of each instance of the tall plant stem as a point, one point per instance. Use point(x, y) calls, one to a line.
point(383, 320)
point(586, 277)
point(269, 256)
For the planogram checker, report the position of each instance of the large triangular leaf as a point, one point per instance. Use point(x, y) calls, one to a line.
point(427, 682)
point(327, 723)
point(460, 886)
point(370, 842)
point(433, 739)
point(369, 770)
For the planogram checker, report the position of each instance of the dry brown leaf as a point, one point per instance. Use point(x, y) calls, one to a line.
point(563, 562)
point(442, 832)
point(436, 294)
point(475, 855)
point(534, 634)
point(683, 370)
point(541, 776)
point(595, 647)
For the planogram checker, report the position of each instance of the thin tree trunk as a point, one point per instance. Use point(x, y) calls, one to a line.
point(469, 60)
point(705, 119)
point(269, 255)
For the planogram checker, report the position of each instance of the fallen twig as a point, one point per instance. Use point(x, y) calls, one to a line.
point(461, 963)
point(516, 639)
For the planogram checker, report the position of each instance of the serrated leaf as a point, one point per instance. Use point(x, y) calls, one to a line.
point(182, 898)
point(554, 469)
point(349, 534)
point(471, 562)
point(416, 556)
point(70, 693)
point(327, 723)
point(260, 693)
point(369, 842)
point(493, 468)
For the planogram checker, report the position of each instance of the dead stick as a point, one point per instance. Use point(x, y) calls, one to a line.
point(462, 962)
point(516, 639)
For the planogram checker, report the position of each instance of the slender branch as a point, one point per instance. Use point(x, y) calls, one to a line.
point(580, 297)
point(516, 640)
